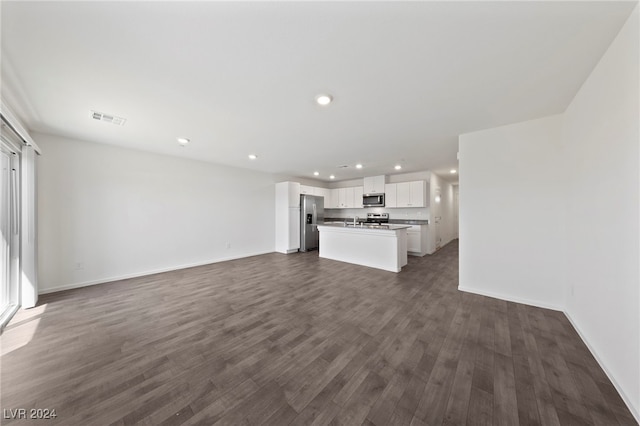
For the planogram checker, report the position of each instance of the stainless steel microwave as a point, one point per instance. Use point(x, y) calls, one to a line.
point(373, 200)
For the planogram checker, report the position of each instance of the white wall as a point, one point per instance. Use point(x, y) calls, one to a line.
point(550, 215)
point(602, 140)
point(107, 212)
point(511, 212)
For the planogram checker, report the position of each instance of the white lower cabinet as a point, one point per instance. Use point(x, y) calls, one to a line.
point(413, 240)
point(417, 240)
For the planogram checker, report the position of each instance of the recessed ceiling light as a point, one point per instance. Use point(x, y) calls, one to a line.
point(332, 177)
point(252, 156)
point(316, 173)
point(324, 99)
point(183, 141)
point(358, 166)
point(453, 171)
point(398, 167)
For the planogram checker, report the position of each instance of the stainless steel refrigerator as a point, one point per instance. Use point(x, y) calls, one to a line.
point(311, 214)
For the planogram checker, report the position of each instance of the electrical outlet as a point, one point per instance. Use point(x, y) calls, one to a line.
point(228, 245)
point(78, 265)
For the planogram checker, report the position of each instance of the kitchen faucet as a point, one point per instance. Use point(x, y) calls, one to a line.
point(355, 220)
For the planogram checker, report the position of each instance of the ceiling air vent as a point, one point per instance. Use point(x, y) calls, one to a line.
point(108, 118)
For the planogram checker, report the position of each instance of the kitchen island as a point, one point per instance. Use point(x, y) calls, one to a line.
point(376, 246)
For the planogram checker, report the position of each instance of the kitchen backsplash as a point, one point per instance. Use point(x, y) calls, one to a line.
point(409, 213)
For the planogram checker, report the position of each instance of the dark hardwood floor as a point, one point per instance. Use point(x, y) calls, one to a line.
point(295, 339)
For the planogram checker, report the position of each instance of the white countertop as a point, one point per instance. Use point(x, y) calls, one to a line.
point(368, 227)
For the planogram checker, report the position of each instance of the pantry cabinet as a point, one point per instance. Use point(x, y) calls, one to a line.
point(287, 217)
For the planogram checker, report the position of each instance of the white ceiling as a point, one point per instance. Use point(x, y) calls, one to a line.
point(239, 77)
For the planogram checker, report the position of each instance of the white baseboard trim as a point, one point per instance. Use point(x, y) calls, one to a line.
point(142, 274)
point(433, 249)
point(511, 298)
point(625, 398)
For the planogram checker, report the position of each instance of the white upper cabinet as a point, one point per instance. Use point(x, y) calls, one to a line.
point(390, 195)
point(417, 190)
point(357, 197)
point(348, 198)
point(345, 198)
point(338, 197)
point(410, 194)
point(322, 192)
point(333, 201)
point(304, 189)
point(374, 185)
point(403, 195)
point(314, 190)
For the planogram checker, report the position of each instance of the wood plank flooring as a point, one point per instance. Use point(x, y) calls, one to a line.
point(298, 340)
